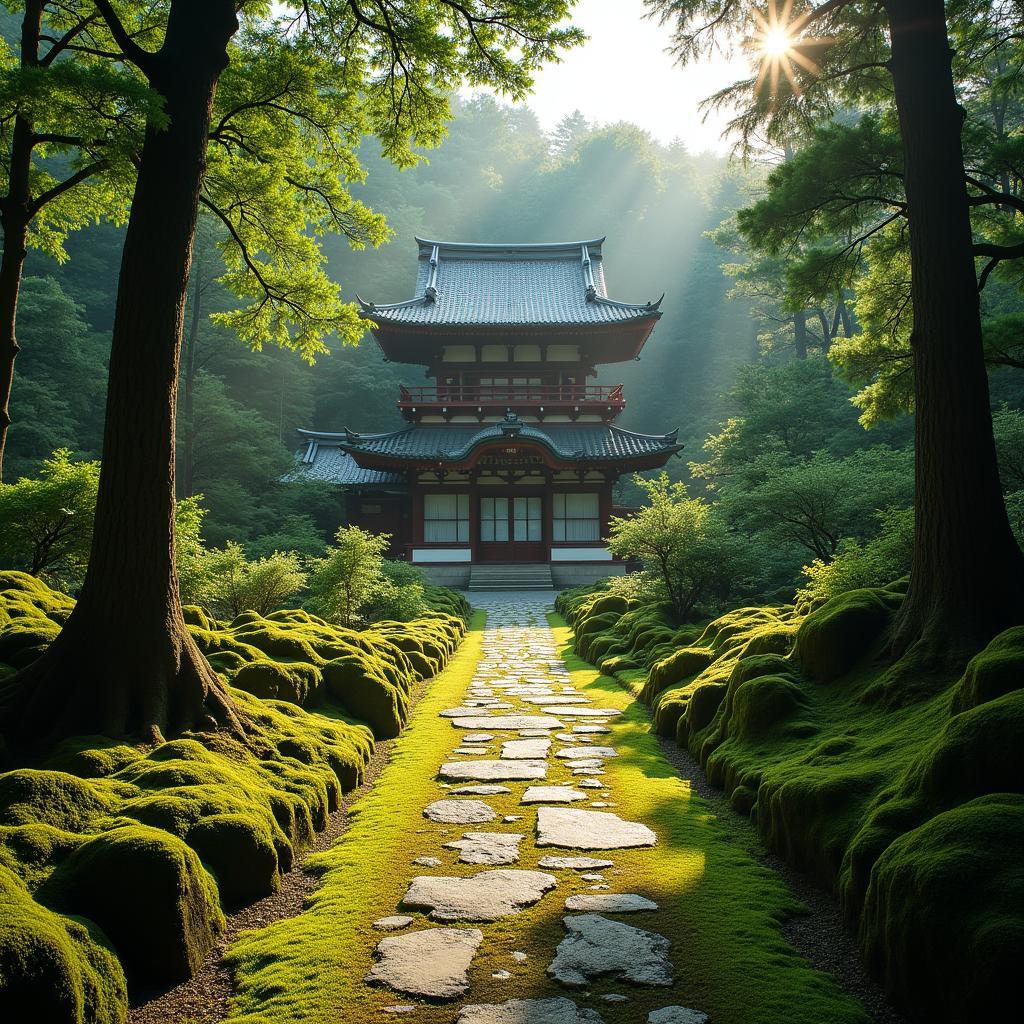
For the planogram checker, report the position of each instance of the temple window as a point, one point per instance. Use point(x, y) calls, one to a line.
point(445, 518)
point(577, 517)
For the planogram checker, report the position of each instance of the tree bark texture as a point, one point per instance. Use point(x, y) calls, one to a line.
point(967, 581)
point(15, 215)
point(125, 663)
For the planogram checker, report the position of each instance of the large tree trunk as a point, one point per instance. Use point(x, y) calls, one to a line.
point(14, 217)
point(188, 380)
point(967, 581)
point(125, 663)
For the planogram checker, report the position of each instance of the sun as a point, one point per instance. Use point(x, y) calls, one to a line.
point(779, 44)
point(776, 42)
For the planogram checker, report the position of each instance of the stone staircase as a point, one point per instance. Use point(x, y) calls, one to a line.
point(510, 577)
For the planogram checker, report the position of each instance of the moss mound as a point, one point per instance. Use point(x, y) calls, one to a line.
point(942, 921)
point(843, 631)
point(52, 968)
point(897, 787)
point(149, 893)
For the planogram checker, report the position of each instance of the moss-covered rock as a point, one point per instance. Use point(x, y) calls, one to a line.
point(64, 801)
point(998, 669)
point(298, 683)
point(52, 969)
point(239, 849)
point(149, 893)
point(361, 686)
point(844, 630)
point(942, 923)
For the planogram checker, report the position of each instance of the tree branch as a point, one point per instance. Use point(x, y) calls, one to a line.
point(142, 59)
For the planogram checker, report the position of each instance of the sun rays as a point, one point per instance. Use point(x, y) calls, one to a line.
point(780, 46)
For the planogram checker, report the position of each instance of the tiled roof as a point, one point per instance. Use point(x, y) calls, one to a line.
point(330, 464)
point(471, 283)
point(452, 443)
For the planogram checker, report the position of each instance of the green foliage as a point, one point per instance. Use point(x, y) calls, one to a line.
point(46, 522)
point(399, 593)
point(230, 583)
point(873, 563)
point(818, 502)
point(346, 580)
point(683, 543)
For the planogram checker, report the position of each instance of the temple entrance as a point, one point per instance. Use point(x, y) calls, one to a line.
point(511, 529)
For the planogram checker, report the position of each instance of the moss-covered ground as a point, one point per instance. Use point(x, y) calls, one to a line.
point(117, 861)
point(720, 907)
point(897, 786)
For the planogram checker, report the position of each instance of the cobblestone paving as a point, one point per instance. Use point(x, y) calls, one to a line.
point(522, 725)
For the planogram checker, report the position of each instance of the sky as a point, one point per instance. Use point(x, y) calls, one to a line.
point(622, 73)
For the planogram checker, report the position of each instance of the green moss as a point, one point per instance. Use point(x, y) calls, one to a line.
point(361, 687)
point(833, 639)
point(993, 672)
point(297, 683)
point(942, 919)
point(858, 783)
point(120, 834)
point(149, 893)
point(677, 666)
point(28, 795)
point(240, 851)
point(52, 969)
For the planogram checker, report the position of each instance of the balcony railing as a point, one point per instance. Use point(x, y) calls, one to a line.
point(474, 397)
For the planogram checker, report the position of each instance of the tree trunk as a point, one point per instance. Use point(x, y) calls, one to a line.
point(14, 217)
point(188, 380)
point(12, 265)
point(125, 664)
point(800, 334)
point(967, 580)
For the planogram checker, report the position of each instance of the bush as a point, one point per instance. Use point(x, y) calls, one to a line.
point(344, 581)
point(684, 544)
point(228, 583)
point(857, 565)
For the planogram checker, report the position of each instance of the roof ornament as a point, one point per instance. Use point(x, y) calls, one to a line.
point(430, 292)
point(511, 425)
point(588, 273)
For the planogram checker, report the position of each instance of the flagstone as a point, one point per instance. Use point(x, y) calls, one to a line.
point(499, 771)
point(487, 896)
point(573, 828)
point(597, 947)
point(429, 963)
point(459, 812)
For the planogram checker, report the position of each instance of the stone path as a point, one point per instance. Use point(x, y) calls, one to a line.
point(522, 724)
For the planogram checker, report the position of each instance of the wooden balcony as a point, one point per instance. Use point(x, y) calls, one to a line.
point(540, 400)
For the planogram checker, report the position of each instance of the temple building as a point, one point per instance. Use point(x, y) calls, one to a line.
point(508, 458)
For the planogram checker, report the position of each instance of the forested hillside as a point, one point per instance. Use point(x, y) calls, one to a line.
point(497, 177)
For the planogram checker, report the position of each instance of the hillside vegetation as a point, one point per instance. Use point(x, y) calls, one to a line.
point(116, 861)
point(900, 789)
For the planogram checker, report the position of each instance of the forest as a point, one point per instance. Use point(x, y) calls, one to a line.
point(219, 698)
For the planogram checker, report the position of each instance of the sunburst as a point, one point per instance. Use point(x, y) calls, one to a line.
point(779, 44)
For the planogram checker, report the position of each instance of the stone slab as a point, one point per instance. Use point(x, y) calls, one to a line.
point(525, 750)
point(574, 711)
point(487, 896)
point(575, 829)
point(487, 847)
point(430, 963)
point(551, 795)
point(555, 700)
point(484, 790)
point(576, 863)
point(393, 923)
point(588, 752)
point(507, 723)
point(459, 812)
point(609, 902)
point(676, 1015)
point(498, 771)
point(529, 1011)
point(598, 947)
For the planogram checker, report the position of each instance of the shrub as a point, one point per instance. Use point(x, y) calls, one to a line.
point(344, 581)
point(229, 583)
point(46, 521)
point(857, 565)
point(684, 544)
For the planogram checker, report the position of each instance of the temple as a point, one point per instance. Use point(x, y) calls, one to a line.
point(509, 457)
